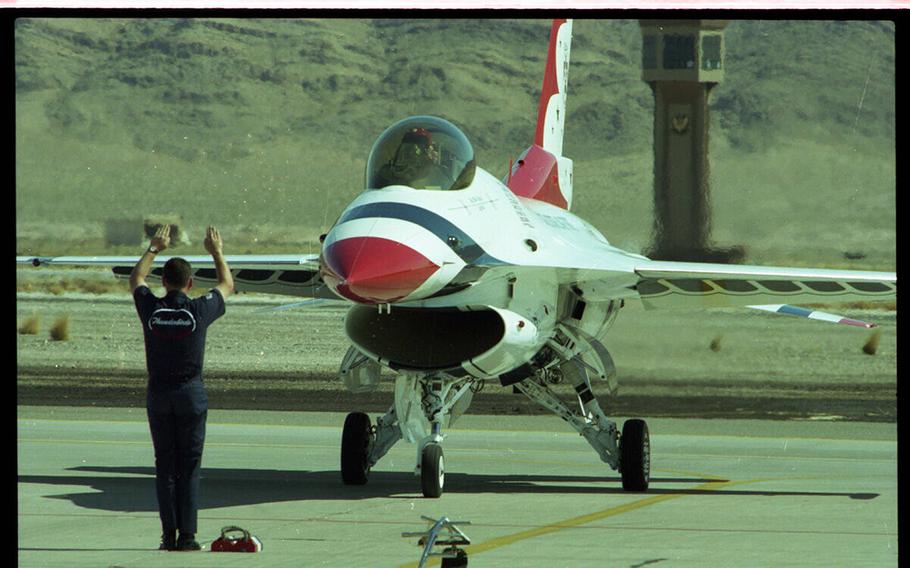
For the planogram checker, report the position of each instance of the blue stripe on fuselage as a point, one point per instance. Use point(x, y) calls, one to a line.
point(467, 248)
point(794, 311)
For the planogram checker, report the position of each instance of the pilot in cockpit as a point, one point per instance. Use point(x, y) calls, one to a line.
point(416, 163)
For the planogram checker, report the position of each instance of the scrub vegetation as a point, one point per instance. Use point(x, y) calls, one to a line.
point(262, 126)
point(64, 284)
point(60, 330)
point(31, 325)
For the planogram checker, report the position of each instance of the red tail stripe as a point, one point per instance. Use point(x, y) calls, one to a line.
point(550, 85)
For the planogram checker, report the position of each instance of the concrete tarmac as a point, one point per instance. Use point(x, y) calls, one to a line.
point(723, 493)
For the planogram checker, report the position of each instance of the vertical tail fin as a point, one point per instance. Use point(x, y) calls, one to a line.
point(551, 114)
point(542, 172)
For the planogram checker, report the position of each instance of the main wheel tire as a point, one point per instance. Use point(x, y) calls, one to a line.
point(355, 440)
point(635, 455)
point(432, 471)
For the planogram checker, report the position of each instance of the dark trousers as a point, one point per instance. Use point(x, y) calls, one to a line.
point(177, 422)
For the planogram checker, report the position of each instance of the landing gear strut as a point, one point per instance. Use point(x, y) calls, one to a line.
point(630, 454)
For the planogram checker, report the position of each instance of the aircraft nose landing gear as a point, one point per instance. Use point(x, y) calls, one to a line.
point(432, 471)
point(635, 455)
point(427, 404)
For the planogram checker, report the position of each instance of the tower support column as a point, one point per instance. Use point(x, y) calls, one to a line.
point(682, 61)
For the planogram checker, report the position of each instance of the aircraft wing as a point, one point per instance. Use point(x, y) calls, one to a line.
point(290, 275)
point(665, 284)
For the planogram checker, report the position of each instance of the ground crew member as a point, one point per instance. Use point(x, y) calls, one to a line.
point(174, 329)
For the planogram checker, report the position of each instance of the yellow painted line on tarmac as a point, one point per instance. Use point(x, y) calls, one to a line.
point(688, 473)
point(506, 540)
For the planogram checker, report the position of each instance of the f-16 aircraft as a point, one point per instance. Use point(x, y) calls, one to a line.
point(457, 278)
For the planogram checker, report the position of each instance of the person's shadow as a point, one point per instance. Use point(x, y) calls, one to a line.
point(132, 489)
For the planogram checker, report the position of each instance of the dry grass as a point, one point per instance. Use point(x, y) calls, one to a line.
point(78, 284)
point(102, 286)
point(31, 325)
point(60, 331)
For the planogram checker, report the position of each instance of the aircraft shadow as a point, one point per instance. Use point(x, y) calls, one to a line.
point(27, 549)
point(132, 489)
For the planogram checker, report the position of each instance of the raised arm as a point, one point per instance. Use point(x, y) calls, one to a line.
point(160, 241)
point(214, 246)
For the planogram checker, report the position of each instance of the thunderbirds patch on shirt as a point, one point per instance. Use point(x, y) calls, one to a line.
point(172, 324)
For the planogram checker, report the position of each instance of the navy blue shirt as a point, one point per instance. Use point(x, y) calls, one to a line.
point(174, 328)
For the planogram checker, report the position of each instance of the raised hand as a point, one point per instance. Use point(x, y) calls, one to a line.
point(213, 242)
point(162, 238)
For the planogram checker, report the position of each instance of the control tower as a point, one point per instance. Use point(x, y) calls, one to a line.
point(682, 61)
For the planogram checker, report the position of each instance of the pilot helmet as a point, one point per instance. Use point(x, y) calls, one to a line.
point(416, 151)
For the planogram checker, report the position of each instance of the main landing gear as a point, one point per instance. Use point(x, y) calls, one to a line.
point(628, 453)
point(355, 446)
point(635, 455)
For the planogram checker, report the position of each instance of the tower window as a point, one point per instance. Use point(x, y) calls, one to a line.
point(710, 52)
point(649, 52)
point(679, 52)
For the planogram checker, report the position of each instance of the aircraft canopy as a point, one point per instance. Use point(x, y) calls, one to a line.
point(423, 152)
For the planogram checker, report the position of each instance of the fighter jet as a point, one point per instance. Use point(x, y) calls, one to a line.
point(456, 278)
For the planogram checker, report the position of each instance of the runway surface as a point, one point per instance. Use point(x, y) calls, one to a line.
point(723, 493)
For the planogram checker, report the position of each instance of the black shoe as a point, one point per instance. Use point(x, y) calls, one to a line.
point(168, 543)
point(187, 542)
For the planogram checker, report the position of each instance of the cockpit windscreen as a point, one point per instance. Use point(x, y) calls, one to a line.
point(423, 152)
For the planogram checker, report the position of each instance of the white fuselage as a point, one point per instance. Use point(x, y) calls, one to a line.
point(493, 250)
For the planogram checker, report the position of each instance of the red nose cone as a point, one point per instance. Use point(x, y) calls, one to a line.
point(374, 270)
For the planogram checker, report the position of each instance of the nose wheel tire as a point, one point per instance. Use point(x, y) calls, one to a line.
point(355, 441)
point(635, 455)
point(432, 470)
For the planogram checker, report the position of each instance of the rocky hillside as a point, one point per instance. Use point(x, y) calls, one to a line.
point(265, 124)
